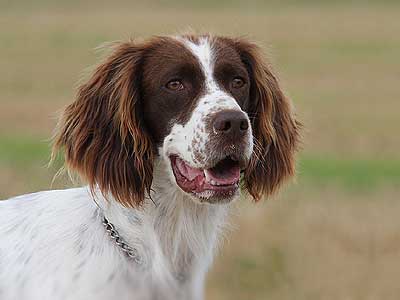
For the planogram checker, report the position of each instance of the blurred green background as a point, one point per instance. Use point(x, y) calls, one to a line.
point(332, 234)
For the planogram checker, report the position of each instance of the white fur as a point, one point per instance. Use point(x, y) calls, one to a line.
point(53, 245)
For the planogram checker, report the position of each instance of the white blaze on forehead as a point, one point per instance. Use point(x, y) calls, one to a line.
point(204, 54)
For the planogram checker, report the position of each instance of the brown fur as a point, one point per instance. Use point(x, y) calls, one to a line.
point(275, 129)
point(102, 134)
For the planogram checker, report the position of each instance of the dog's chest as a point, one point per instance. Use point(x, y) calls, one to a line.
point(53, 245)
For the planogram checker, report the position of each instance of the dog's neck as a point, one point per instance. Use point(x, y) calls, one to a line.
point(171, 231)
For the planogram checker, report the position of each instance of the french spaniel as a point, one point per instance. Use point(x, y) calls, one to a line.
point(166, 133)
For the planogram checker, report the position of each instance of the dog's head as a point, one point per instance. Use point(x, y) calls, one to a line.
point(211, 107)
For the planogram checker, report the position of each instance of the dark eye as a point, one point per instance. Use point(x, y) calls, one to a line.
point(238, 82)
point(174, 85)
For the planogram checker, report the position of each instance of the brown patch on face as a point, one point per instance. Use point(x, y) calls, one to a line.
point(229, 66)
point(169, 60)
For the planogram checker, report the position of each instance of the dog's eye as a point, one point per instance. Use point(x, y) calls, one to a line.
point(175, 85)
point(238, 82)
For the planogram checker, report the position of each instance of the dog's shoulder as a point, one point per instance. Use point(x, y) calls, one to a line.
point(28, 214)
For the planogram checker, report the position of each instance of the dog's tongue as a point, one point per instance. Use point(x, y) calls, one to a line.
point(187, 171)
point(225, 172)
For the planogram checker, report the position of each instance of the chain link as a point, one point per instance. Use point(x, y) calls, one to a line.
point(113, 233)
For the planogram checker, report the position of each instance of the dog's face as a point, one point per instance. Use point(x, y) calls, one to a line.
point(208, 106)
point(195, 109)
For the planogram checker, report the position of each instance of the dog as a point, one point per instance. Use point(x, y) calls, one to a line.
point(166, 133)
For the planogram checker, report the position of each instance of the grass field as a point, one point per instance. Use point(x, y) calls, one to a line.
point(334, 233)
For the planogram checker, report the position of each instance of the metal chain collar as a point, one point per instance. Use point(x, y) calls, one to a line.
point(119, 241)
point(128, 250)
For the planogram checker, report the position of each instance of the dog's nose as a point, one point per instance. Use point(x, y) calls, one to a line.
point(231, 122)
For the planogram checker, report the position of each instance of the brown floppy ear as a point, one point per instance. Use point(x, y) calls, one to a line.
point(101, 131)
point(275, 129)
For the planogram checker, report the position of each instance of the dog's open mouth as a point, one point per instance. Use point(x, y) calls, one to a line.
point(221, 180)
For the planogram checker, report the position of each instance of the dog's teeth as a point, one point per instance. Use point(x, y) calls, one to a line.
point(213, 182)
point(206, 175)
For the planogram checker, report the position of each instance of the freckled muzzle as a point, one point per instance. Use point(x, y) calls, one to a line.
point(227, 151)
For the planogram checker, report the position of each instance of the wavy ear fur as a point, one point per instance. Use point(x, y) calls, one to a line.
point(275, 129)
point(101, 131)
